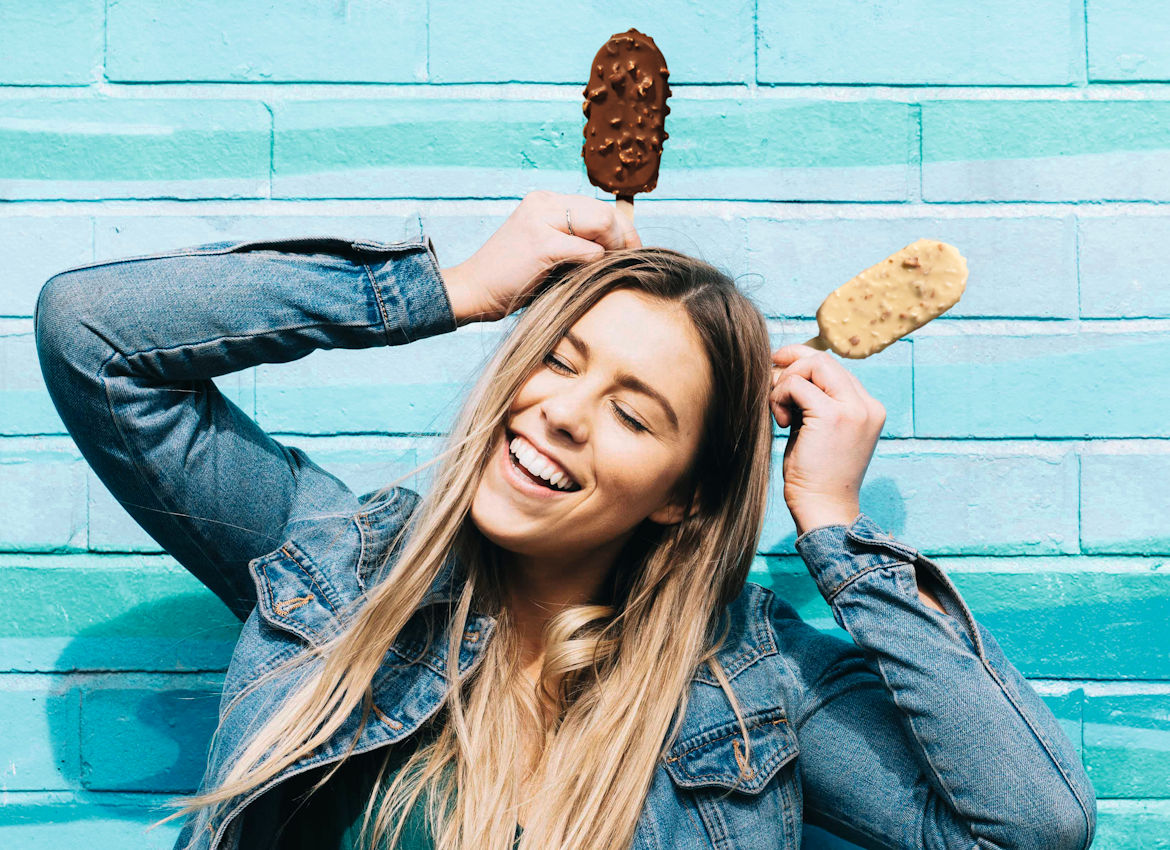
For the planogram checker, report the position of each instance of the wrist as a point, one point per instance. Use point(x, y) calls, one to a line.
point(818, 516)
point(463, 302)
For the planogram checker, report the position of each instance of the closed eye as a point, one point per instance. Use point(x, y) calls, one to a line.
point(554, 363)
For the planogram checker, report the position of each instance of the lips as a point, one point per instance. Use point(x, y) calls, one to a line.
point(523, 480)
point(510, 435)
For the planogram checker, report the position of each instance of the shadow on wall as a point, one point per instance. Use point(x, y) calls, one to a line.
point(138, 732)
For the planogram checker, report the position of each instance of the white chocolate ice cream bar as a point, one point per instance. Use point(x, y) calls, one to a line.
point(889, 300)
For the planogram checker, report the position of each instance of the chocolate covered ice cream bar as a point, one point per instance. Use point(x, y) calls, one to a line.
point(625, 107)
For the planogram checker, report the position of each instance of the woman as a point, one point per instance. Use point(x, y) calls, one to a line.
point(619, 682)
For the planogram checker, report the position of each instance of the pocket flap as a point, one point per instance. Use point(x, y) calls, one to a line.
point(292, 594)
point(718, 757)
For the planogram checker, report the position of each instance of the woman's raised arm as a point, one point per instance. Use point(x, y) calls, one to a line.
point(128, 349)
point(920, 733)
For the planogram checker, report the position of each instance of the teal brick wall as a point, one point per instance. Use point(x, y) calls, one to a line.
point(1027, 444)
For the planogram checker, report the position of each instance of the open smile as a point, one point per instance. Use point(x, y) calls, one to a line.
point(521, 478)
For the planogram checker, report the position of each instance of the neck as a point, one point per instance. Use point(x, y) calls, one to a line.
point(540, 587)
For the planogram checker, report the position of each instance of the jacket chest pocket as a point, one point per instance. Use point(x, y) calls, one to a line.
point(294, 595)
point(745, 798)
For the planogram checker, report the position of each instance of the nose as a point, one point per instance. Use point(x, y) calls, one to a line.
point(567, 413)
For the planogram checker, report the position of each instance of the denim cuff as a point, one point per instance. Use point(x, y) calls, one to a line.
point(412, 295)
point(836, 554)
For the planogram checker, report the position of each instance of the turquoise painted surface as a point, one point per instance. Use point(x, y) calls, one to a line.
point(330, 135)
point(1127, 40)
point(1087, 384)
point(918, 42)
point(535, 41)
point(56, 43)
point(967, 130)
point(1025, 445)
point(380, 41)
point(86, 140)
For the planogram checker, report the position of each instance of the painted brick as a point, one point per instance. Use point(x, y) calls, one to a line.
point(921, 43)
point(34, 249)
point(389, 389)
point(25, 406)
point(1121, 262)
point(363, 463)
point(1043, 385)
point(716, 239)
point(531, 41)
point(42, 486)
point(1068, 618)
point(147, 733)
point(1127, 40)
point(129, 148)
point(35, 821)
point(1073, 150)
point(51, 43)
point(791, 150)
point(956, 500)
point(1018, 267)
point(144, 235)
point(1125, 502)
point(1054, 617)
point(89, 612)
point(40, 733)
point(377, 41)
point(1126, 734)
point(1133, 825)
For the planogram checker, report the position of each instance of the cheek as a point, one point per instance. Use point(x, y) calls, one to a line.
point(636, 472)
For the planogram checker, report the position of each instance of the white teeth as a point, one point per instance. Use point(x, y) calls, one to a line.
point(532, 460)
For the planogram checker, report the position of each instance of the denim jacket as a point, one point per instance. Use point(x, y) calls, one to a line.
point(919, 733)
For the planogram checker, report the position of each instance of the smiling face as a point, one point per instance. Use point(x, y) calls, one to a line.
point(573, 409)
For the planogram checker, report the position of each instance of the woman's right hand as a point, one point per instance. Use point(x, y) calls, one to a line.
point(535, 237)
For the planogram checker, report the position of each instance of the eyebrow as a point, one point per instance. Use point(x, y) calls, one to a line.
point(628, 380)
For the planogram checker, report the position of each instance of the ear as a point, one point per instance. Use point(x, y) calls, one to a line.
point(674, 512)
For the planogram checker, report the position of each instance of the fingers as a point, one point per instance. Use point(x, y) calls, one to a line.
point(593, 220)
point(818, 367)
point(795, 392)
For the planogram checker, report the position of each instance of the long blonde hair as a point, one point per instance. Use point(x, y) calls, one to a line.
point(616, 674)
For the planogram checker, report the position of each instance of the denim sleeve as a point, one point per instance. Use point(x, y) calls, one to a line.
point(921, 733)
point(128, 349)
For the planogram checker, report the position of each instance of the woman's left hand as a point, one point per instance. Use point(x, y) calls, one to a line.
point(834, 425)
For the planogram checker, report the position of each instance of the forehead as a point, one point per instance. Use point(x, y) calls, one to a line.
point(653, 339)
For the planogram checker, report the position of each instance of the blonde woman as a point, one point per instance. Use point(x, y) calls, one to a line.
point(557, 647)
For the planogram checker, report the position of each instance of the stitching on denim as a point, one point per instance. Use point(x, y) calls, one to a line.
point(385, 718)
point(291, 625)
point(733, 733)
point(713, 820)
point(764, 641)
point(381, 306)
point(745, 767)
point(1043, 742)
point(288, 606)
point(305, 569)
point(880, 565)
